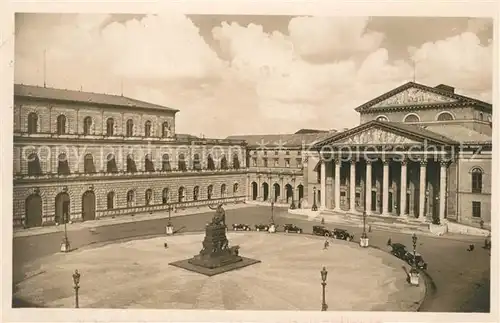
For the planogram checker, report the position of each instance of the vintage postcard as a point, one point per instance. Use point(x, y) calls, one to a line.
point(281, 166)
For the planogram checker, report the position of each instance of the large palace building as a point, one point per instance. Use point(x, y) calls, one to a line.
point(419, 152)
point(80, 156)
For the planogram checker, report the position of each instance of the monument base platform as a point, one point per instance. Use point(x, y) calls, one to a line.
point(185, 264)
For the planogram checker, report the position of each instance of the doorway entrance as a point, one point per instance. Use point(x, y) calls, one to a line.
point(88, 206)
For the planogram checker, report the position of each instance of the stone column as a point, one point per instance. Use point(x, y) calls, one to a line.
point(259, 188)
point(385, 188)
point(423, 180)
point(323, 185)
point(337, 184)
point(402, 207)
point(368, 194)
point(442, 191)
point(352, 187)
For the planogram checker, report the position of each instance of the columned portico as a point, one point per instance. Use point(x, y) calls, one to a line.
point(368, 195)
point(352, 187)
point(404, 190)
point(422, 191)
point(336, 191)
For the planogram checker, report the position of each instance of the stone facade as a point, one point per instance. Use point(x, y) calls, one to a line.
point(103, 159)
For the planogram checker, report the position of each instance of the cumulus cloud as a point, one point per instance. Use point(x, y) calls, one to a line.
point(241, 79)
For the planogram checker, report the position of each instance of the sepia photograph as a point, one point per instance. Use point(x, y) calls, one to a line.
point(244, 162)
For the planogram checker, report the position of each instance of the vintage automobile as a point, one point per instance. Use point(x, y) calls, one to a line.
point(261, 227)
point(342, 234)
point(241, 227)
point(292, 228)
point(399, 250)
point(420, 263)
point(320, 230)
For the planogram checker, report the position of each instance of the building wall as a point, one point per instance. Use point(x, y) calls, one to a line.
point(120, 186)
point(76, 113)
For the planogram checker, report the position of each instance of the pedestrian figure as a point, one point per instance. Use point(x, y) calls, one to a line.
point(326, 245)
point(322, 220)
point(389, 242)
point(369, 228)
point(471, 247)
point(165, 245)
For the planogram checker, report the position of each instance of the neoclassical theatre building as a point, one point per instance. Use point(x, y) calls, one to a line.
point(419, 152)
point(80, 156)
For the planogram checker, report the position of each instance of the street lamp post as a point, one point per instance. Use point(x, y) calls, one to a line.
point(314, 206)
point(65, 245)
point(363, 241)
point(169, 228)
point(324, 274)
point(414, 275)
point(272, 212)
point(76, 281)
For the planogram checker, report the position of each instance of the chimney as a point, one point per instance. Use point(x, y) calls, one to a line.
point(446, 88)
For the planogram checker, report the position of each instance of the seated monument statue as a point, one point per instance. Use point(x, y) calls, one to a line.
point(220, 215)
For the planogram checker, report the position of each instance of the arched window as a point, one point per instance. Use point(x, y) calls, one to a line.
point(62, 165)
point(235, 188)
point(165, 129)
point(236, 161)
point(130, 198)
point(196, 162)
point(481, 117)
point(181, 164)
point(111, 164)
point(165, 163)
point(445, 116)
point(110, 127)
point(210, 162)
point(165, 194)
point(382, 118)
point(130, 128)
point(223, 162)
point(181, 194)
point(149, 196)
point(61, 124)
point(210, 191)
point(131, 168)
point(34, 167)
point(477, 180)
point(87, 124)
point(412, 118)
point(148, 164)
point(196, 193)
point(88, 164)
point(223, 190)
point(111, 200)
point(147, 129)
point(32, 122)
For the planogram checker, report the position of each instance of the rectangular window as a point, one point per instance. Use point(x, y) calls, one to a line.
point(476, 209)
point(276, 152)
point(254, 161)
point(276, 162)
point(287, 162)
point(264, 161)
point(477, 182)
point(287, 152)
point(299, 162)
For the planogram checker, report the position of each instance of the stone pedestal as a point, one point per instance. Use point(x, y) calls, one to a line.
point(363, 242)
point(65, 246)
point(216, 257)
point(414, 278)
point(169, 229)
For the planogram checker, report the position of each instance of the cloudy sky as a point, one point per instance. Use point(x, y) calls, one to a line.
point(253, 74)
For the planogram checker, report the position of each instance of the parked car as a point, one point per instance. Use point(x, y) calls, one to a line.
point(399, 250)
point(321, 231)
point(241, 227)
point(342, 234)
point(292, 228)
point(420, 263)
point(261, 227)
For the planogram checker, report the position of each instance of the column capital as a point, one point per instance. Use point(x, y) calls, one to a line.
point(423, 162)
point(385, 161)
point(368, 162)
point(353, 161)
point(443, 163)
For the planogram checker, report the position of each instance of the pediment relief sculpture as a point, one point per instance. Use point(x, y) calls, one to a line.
point(376, 136)
point(413, 96)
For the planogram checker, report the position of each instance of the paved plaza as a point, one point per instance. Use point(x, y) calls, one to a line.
point(136, 274)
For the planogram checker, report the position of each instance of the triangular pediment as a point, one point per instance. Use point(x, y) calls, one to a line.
point(413, 96)
point(380, 133)
point(376, 136)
